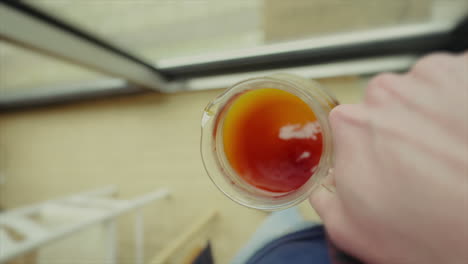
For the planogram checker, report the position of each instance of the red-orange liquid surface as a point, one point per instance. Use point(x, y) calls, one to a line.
point(272, 139)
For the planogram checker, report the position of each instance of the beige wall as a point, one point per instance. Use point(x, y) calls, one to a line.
point(286, 20)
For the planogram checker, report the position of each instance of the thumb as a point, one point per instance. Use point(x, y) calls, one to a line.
point(327, 204)
point(324, 199)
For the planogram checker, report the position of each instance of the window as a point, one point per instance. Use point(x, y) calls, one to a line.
point(166, 29)
point(179, 45)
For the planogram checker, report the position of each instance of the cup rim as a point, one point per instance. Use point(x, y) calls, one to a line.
point(226, 179)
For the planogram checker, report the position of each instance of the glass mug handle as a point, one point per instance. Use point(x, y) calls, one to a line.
point(329, 181)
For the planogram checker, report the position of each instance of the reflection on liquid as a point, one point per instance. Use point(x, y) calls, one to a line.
point(304, 155)
point(297, 131)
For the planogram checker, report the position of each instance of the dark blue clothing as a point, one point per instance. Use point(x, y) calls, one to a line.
point(304, 246)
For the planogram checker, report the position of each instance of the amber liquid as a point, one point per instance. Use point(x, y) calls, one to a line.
point(272, 139)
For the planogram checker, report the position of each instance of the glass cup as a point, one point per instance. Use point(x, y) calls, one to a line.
point(320, 100)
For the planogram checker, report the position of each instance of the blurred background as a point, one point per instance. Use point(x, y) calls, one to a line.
point(109, 94)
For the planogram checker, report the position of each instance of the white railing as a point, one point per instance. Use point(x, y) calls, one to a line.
point(94, 207)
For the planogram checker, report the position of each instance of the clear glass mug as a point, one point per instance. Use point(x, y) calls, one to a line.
point(225, 177)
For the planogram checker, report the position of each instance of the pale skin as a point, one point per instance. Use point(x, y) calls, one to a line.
point(401, 169)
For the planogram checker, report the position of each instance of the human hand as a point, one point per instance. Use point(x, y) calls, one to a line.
point(401, 167)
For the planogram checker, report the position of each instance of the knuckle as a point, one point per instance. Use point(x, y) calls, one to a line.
point(432, 62)
point(346, 116)
point(336, 114)
point(377, 86)
point(338, 117)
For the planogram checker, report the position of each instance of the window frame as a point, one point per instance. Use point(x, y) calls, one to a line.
point(365, 52)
